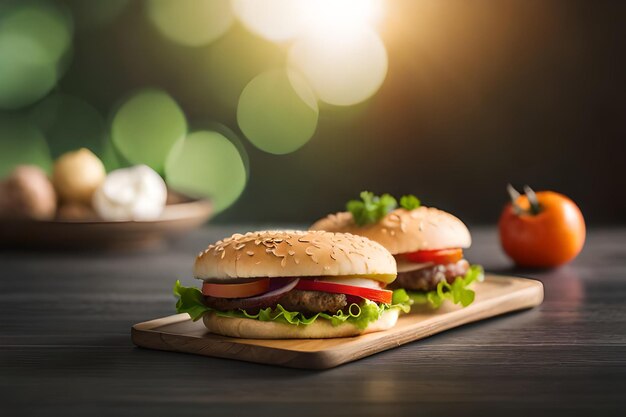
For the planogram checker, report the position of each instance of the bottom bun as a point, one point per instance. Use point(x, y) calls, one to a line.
point(319, 329)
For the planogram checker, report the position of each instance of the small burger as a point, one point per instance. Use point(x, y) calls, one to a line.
point(427, 243)
point(293, 284)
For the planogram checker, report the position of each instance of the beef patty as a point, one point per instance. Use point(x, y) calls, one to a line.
point(313, 301)
point(308, 302)
point(427, 278)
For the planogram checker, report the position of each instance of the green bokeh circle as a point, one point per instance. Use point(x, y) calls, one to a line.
point(35, 46)
point(207, 164)
point(26, 72)
point(146, 126)
point(277, 111)
point(191, 22)
point(48, 24)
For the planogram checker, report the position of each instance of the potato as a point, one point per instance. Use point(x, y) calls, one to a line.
point(77, 175)
point(27, 193)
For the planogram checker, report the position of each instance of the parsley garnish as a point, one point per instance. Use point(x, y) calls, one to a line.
point(410, 202)
point(371, 208)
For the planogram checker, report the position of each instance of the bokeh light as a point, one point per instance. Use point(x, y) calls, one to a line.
point(334, 18)
point(191, 22)
point(21, 143)
point(277, 111)
point(35, 38)
point(45, 22)
point(26, 73)
point(344, 72)
point(275, 20)
point(69, 123)
point(207, 164)
point(281, 20)
point(146, 126)
point(229, 134)
point(215, 78)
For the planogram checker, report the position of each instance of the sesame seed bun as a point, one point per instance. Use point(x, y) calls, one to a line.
point(293, 253)
point(404, 231)
point(319, 329)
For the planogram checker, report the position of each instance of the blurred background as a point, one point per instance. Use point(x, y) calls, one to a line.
point(282, 110)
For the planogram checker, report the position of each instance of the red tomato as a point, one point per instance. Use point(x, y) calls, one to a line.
point(546, 233)
point(381, 296)
point(441, 256)
point(246, 289)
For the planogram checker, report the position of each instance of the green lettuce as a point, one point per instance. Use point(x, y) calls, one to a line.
point(191, 301)
point(458, 292)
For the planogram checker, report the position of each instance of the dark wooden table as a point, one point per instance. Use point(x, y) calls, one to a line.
point(65, 346)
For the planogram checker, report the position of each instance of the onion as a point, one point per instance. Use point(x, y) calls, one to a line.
point(277, 292)
point(252, 304)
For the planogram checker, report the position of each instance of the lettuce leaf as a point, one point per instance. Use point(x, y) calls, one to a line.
point(191, 301)
point(458, 292)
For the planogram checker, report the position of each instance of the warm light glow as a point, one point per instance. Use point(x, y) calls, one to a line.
point(280, 20)
point(338, 17)
point(275, 20)
point(334, 45)
point(344, 72)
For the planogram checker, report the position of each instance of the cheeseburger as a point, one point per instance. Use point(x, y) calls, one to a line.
point(293, 284)
point(427, 244)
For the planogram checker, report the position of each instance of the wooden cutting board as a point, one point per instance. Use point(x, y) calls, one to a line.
point(496, 295)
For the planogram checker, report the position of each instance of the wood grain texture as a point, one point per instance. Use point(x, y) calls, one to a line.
point(65, 348)
point(496, 295)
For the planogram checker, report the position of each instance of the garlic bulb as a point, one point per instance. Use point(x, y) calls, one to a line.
point(136, 193)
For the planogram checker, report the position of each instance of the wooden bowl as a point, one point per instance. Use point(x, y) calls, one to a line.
point(175, 220)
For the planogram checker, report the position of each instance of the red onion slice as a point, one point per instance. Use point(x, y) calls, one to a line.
point(252, 304)
point(277, 292)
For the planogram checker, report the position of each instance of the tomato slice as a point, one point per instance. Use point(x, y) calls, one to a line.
point(440, 256)
point(246, 289)
point(381, 296)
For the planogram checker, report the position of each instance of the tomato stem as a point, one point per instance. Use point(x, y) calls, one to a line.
point(514, 194)
point(535, 208)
